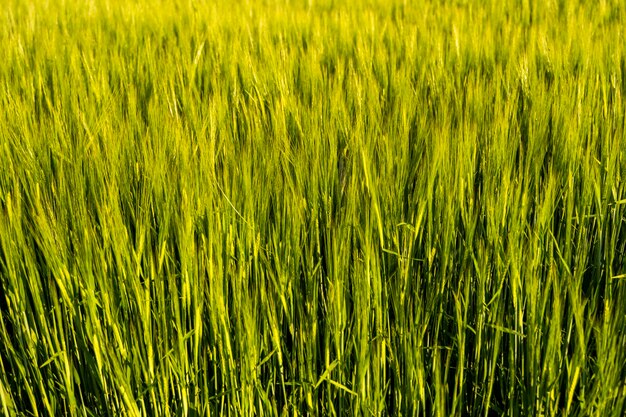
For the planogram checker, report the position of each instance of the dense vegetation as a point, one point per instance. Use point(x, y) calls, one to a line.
point(349, 207)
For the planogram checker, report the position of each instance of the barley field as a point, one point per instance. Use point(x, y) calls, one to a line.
point(313, 208)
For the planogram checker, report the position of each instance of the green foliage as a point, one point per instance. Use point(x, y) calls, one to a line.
point(335, 207)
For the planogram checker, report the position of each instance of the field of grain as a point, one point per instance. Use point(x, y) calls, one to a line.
point(313, 207)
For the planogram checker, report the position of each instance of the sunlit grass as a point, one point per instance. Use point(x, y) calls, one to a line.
point(312, 208)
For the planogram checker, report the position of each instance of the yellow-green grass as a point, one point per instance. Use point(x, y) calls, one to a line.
point(383, 207)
